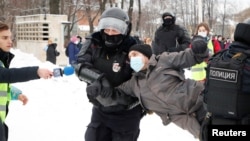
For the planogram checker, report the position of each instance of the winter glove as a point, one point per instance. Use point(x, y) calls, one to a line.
point(100, 87)
point(107, 89)
point(199, 46)
point(94, 89)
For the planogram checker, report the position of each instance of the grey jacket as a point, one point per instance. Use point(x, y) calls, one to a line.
point(164, 89)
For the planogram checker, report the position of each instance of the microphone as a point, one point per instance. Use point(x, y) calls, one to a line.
point(68, 70)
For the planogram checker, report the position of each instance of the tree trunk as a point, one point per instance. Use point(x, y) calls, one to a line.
point(54, 6)
point(139, 16)
point(130, 9)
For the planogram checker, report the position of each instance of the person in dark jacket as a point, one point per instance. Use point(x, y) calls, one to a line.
point(161, 87)
point(12, 75)
point(104, 56)
point(240, 44)
point(169, 36)
point(73, 49)
point(51, 52)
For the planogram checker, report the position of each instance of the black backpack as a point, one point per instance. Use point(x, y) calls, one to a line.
point(227, 86)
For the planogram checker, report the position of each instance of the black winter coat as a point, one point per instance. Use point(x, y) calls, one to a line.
point(171, 39)
point(233, 49)
point(52, 53)
point(113, 64)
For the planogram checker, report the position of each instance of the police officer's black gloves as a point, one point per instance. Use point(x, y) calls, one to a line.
point(107, 89)
point(199, 46)
point(100, 87)
point(94, 89)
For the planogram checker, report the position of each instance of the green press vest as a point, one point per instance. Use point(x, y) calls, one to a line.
point(198, 71)
point(4, 98)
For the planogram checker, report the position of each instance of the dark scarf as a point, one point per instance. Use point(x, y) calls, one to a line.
point(6, 58)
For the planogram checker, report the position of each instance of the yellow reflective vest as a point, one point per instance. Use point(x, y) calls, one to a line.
point(4, 98)
point(198, 71)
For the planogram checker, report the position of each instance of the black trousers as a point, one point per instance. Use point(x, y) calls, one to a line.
point(6, 129)
point(2, 131)
point(117, 126)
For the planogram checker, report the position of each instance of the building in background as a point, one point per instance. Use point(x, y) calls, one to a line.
point(33, 32)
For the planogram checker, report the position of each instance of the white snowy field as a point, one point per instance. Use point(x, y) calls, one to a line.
point(58, 110)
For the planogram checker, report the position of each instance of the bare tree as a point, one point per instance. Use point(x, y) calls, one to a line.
point(130, 9)
point(71, 9)
point(102, 4)
point(210, 5)
point(173, 4)
point(76, 10)
point(224, 17)
point(182, 12)
point(113, 3)
point(151, 17)
point(62, 7)
point(92, 11)
point(3, 5)
point(193, 16)
point(54, 6)
point(139, 16)
point(122, 4)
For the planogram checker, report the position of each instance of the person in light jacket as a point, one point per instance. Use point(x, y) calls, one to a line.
point(161, 86)
point(12, 75)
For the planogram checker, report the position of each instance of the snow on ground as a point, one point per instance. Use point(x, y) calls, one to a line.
point(58, 110)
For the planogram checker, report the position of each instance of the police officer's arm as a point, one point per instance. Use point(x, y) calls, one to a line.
point(83, 67)
point(184, 40)
point(85, 52)
point(119, 95)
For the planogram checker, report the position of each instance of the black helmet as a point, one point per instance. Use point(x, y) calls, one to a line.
point(115, 18)
point(242, 32)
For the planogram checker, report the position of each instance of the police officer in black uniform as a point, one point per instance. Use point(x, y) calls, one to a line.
point(170, 36)
point(104, 58)
point(230, 106)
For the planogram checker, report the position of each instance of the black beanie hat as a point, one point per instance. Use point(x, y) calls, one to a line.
point(242, 32)
point(145, 49)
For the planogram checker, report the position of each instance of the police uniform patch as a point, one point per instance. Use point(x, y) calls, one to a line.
point(116, 67)
point(220, 74)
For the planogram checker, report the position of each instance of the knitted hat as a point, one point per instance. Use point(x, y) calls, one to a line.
point(242, 32)
point(145, 49)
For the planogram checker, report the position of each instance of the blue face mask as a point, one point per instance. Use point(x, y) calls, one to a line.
point(136, 63)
